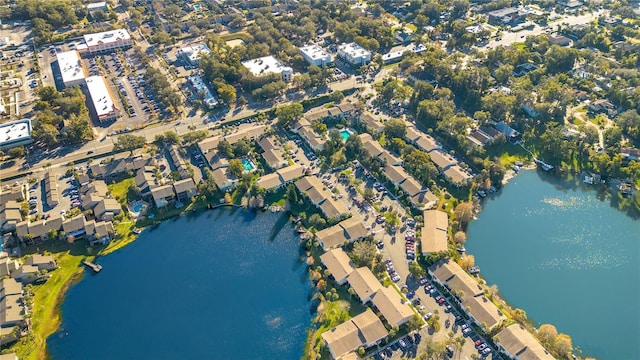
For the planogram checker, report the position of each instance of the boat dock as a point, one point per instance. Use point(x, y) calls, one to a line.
point(95, 267)
point(544, 166)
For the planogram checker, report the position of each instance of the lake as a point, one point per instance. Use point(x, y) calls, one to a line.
point(226, 284)
point(566, 258)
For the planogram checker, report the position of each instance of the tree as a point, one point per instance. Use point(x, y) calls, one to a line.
point(467, 262)
point(288, 113)
point(431, 349)
point(547, 333)
point(363, 253)
point(16, 152)
point(195, 136)
point(416, 270)
point(168, 138)
point(395, 128)
point(292, 195)
point(612, 137)
point(225, 148)
point(227, 92)
point(47, 134)
point(414, 323)
point(464, 212)
point(242, 147)
point(128, 142)
point(236, 167)
point(559, 59)
point(563, 345)
point(629, 121)
point(317, 221)
point(460, 237)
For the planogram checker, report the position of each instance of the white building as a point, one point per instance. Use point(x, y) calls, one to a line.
point(193, 53)
point(71, 69)
point(103, 107)
point(315, 55)
point(268, 65)
point(15, 133)
point(108, 40)
point(97, 6)
point(354, 54)
point(392, 56)
point(203, 91)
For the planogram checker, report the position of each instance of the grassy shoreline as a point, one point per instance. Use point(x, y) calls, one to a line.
point(48, 298)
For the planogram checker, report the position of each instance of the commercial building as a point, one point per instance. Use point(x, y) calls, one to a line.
point(103, 107)
point(106, 41)
point(315, 55)
point(15, 133)
point(97, 6)
point(71, 69)
point(203, 91)
point(268, 65)
point(506, 16)
point(193, 53)
point(354, 54)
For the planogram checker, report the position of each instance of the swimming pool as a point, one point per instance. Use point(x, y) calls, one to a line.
point(248, 165)
point(345, 134)
point(137, 207)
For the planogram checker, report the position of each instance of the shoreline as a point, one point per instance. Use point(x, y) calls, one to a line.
point(197, 207)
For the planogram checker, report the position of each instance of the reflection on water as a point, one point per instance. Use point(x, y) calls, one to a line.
point(554, 245)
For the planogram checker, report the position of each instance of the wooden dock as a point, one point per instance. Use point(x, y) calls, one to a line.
point(95, 267)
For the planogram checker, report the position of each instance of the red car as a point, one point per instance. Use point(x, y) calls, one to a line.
point(478, 342)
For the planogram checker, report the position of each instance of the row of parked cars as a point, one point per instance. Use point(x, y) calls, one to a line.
point(483, 349)
point(392, 271)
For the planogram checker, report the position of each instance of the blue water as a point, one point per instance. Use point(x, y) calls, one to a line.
point(566, 258)
point(248, 165)
point(345, 135)
point(227, 284)
point(137, 208)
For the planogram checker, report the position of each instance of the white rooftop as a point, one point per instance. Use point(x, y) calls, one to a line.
point(106, 37)
point(265, 65)
point(14, 131)
point(70, 66)
point(97, 5)
point(100, 95)
point(353, 50)
point(392, 55)
point(314, 52)
point(194, 51)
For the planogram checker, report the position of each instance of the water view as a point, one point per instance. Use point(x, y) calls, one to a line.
point(566, 258)
point(226, 284)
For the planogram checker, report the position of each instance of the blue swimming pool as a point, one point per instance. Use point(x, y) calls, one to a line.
point(137, 207)
point(248, 165)
point(345, 134)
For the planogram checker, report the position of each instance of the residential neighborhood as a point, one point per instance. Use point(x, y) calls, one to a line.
point(379, 130)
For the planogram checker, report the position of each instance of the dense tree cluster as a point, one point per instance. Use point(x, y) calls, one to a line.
point(63, 117)
point(159, 85)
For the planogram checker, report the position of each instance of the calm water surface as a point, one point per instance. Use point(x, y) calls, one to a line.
point(566, 258)
point(223, 285)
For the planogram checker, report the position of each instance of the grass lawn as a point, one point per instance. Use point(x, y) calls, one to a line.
point(124, 237)
point(49, 296)
point(120, 190)
point(508, 153)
